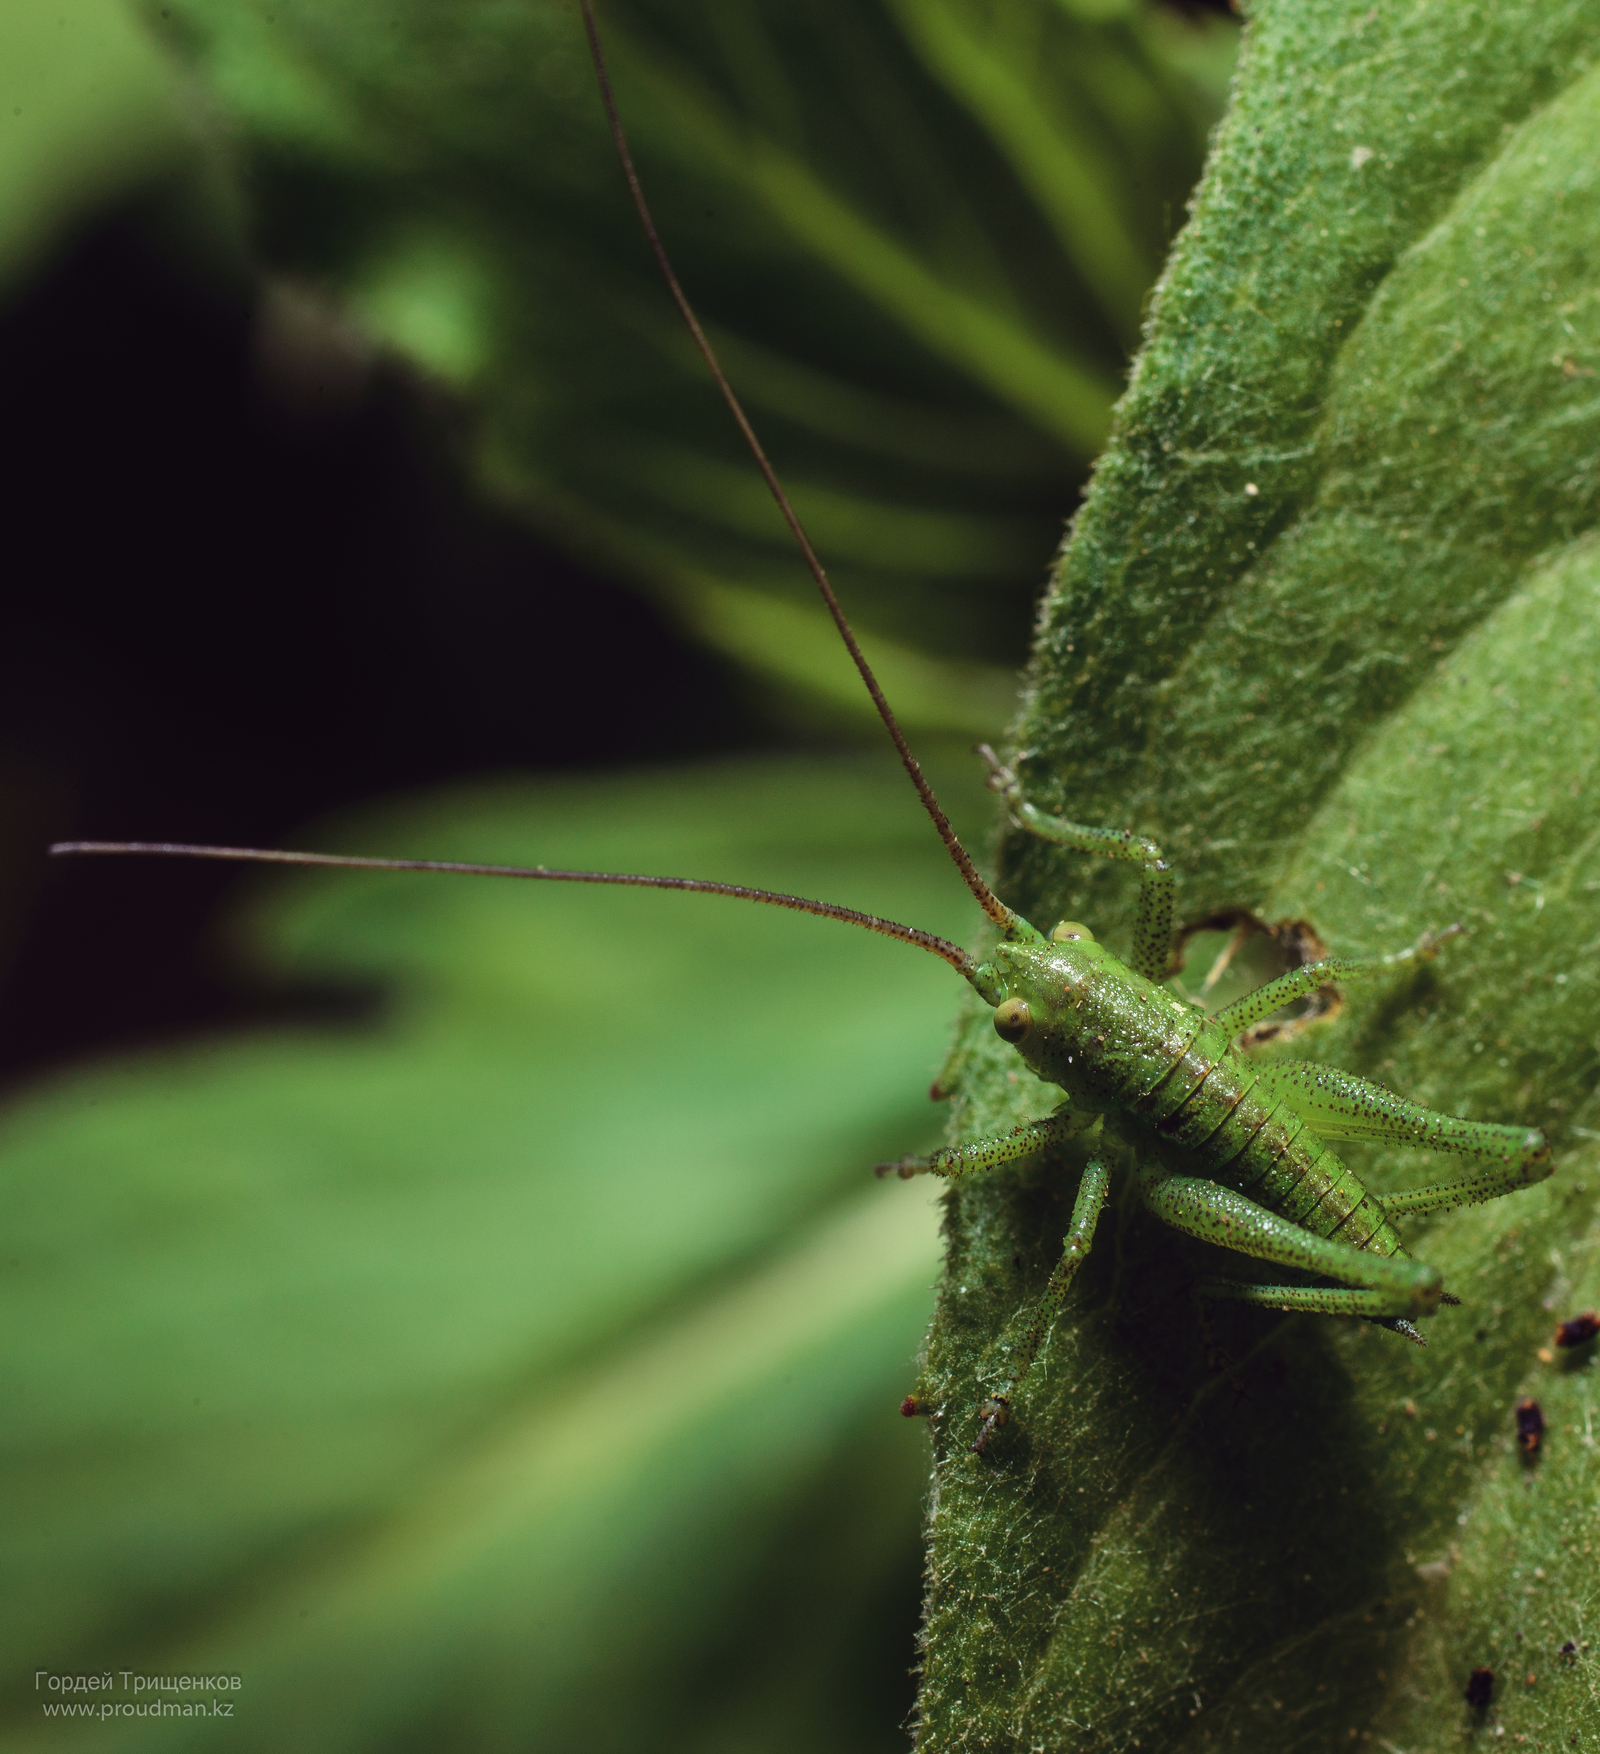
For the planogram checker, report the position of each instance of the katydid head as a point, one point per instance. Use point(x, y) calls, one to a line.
point(1068, 1005)
point(1037, 986)
point(1025, 967)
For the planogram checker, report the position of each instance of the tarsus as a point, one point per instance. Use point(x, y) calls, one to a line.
point(991, 905)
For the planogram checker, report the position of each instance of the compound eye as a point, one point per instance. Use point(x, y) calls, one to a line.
point(1013, 1020)
point(1070, 929)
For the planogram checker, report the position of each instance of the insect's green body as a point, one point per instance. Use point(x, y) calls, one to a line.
point(1121, 1046)
point(1225, 1148)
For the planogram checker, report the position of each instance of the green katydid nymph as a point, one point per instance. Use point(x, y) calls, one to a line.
point(1227, 1150)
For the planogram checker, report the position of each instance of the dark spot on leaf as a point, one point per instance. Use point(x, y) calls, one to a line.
point(1530, 1427)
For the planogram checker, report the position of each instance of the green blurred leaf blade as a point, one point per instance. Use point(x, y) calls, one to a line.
point(452, 1365)
point(838, 205)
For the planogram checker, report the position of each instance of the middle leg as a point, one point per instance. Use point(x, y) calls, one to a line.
point(1080, 1234)
point(1299, 983)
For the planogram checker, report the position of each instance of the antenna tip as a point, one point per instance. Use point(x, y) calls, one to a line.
point(60, 847)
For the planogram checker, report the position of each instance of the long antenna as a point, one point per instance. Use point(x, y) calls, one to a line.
point(987, 900)
point(952, 953)
point(941, 947)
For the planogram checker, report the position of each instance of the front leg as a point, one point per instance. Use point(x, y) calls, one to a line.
point(1152, 926)
point(956, 1162)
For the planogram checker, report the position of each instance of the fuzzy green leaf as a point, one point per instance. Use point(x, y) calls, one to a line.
point(1326, 629)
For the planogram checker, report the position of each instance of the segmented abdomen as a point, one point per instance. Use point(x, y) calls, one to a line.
point(1234, 1128)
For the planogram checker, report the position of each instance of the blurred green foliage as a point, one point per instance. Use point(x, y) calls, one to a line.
point(89, 111)
point(519, 1367)
point(920, 235)
point(1328, 630)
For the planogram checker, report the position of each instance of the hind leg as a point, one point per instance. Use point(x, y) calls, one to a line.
point(1370, 1285)
point(1339, 1105)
